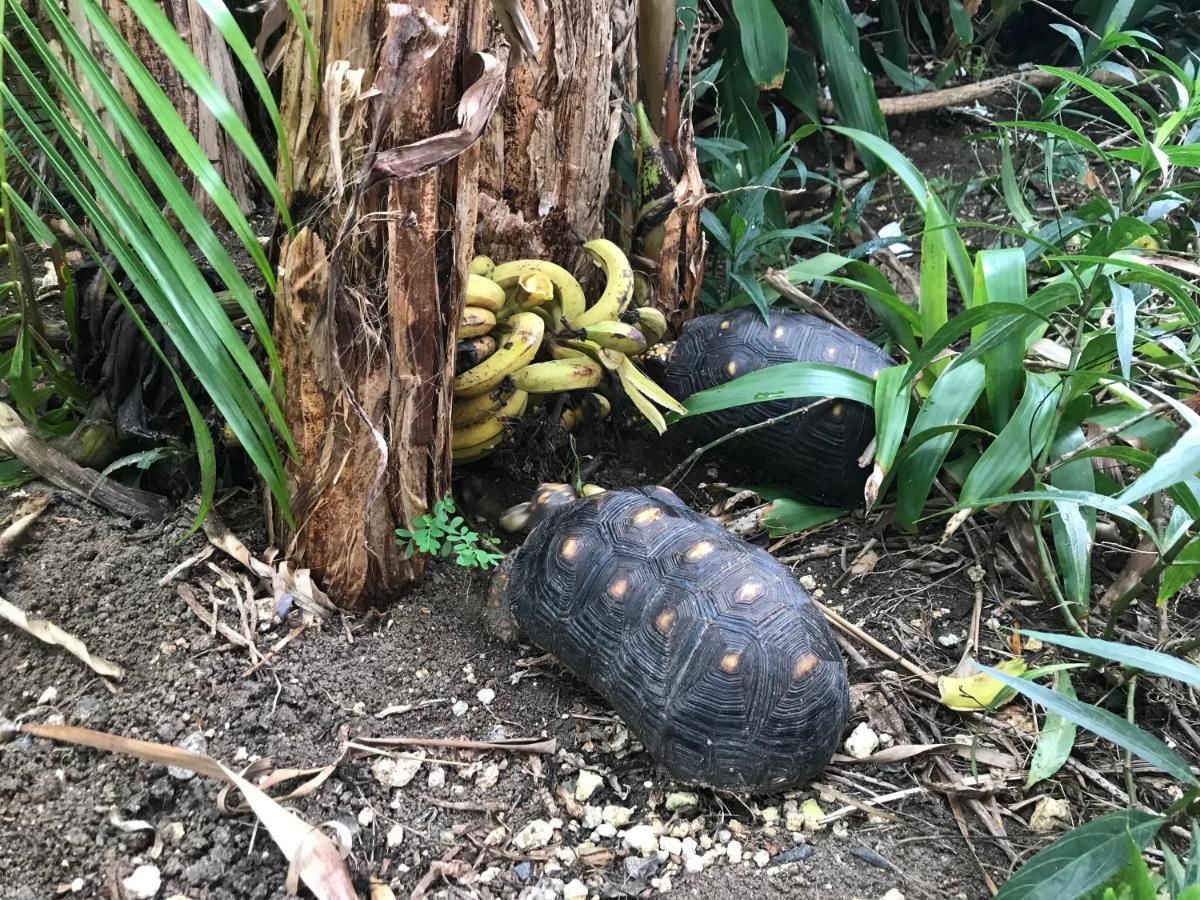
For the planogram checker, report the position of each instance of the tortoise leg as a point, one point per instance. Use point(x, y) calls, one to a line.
point(498, 619)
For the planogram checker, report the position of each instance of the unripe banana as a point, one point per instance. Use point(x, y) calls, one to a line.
point(475, 322)
point(652, 323)
point(613, 335)
point(478, 451)
point(559, 375)
point(570, 294)
point(516, 349)
point(596, 406)
point(473, 351)
point(467, 410)
point(618, 289)
point(610, 359)
point(489, 424)
point(558, 351)
point(484, 293)
point(482, 265)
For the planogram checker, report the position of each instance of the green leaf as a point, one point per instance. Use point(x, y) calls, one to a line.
point(1018, 444)
point(788, 516)
point(850, 84)
point(891, 413)
point(1074, 527)
point(1125, 323)
point(1107, 725)
point(1179, 574)
point(1011, 190)
point(764, 41)
point(1056, 739)
point(1082, 859)
point(782, 382)
point(800, 83)
point(1135, 657)
point(1179, 463)
point(963, 29)
point(1099, 501)
point(932, 301)
point(1000, 276)
point(949, 402)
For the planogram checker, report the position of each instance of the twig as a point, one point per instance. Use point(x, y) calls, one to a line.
point(28, 513)
point(684, 467)
point(1130, 710)
point(216, 626)
point(278, 645)
point(789, 291)
point(1103, 436)
point(856, 632)
point(515, 745)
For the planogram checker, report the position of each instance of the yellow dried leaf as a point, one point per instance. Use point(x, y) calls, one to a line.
point(979, 691)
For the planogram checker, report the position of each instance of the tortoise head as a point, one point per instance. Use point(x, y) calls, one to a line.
point(548, 497)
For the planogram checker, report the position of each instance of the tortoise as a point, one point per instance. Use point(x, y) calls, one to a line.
point(706, 646)
point(817, 452)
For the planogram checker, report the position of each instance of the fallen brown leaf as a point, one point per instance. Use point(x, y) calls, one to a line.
point(49, 633)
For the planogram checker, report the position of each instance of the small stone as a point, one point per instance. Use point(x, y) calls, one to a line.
point(143, 884)
point(640, 838)
point(949, 639)
point(862, 741)
point(770, 814)
point(733, 852)
point(1049, 814)
point(616, 816)
point(366, 816)
point(724, 835)
point(488, 875)
point(396, 773)
point(522, 870)
point(495, 837)
point(671, 846)
point(605, 831)
point(694, 864)
point(196, 742)
point(536, 834)
point(460, 708)
point(761, 858)
point(575, 890)
point(793, 819)
point(892, 894)
point(808, 582)
point(488, 777)
point(586, 785)
point(436, 777)
point(485, 696)
point(171, 833)
point(77, 885)
point(592, 816)
point(662, 885)
point(681, 800)
point(395, 836)
point(49, 695)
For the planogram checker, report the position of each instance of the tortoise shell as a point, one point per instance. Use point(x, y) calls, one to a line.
point(817, 452)
point(707, 647)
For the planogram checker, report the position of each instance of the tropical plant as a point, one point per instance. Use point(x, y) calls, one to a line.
point(441, 533)
point(87, 170)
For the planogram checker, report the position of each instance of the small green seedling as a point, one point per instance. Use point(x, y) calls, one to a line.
point(437, 534)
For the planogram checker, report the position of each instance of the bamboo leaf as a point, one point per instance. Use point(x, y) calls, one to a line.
point(932, 300)
point(1074, 526)
point(1056, 738)
point(1107, 725)
point(1099, 501)
point(1178, 464)
point(891, 414)
point(1082, 859)
point(850, 84)
point(1000, 277)
point(764, 41)
point(1141, 658)
point(1180, 573)
point(788, 516)
point(1125, 322)
point(786, 381)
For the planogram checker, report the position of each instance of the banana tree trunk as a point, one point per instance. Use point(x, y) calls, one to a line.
point(370, 287)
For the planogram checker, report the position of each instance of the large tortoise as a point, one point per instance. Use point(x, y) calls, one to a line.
point(817, 452)
point(707, 647)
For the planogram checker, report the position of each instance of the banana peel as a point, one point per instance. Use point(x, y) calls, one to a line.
point(979, 691)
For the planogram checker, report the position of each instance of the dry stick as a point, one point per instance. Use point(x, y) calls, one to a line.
point(1103, 436)
point(778, 280)
point(969, 93)
point(28, 513)
point(684, 467)
point(856, 632)
point(62, 472)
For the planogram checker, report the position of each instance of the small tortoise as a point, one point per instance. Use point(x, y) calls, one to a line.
point(815, 452)
point(707, 647)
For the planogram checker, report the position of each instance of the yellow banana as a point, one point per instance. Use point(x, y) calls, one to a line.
point(558, 351)
point(473, 351)
point(559, 375)
point(516, 517)
point(475, 322)
point(652, 323)
point(517, 349)
point(591, 490)
point(467, 410)
point(614, 335)
point(618, 288)
point(482, 265)
point(478, 451)
point(484, 293)
point(537, 288)
point(597, 406)
point(570, 294)
point(489, 424)
point(631, 374)
point(610, 359)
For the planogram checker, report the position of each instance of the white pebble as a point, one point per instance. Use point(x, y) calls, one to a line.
point(605, 831)
point(681, 800)
point(591, 816)
point(395, 836)
point(808, 582)
point(862, 741)
point(640, 838)
point(617, 816)
point(575, 890)
point(733, 852)
point(437, 777)
point(761, 858)
point(694, 864)
point(586, 785)
point(671, 846)
point(143, 883)
point(366, 816)
point(536, 834)
point(460, 708)
point(486, 696)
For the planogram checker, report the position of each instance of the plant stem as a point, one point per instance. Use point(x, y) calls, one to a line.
point(1130, 709)
point(1051, 577)
point(684, 467)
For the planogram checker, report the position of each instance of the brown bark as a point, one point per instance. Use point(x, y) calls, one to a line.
point(211, 51)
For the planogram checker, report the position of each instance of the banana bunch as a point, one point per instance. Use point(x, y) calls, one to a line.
point(526, 308)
